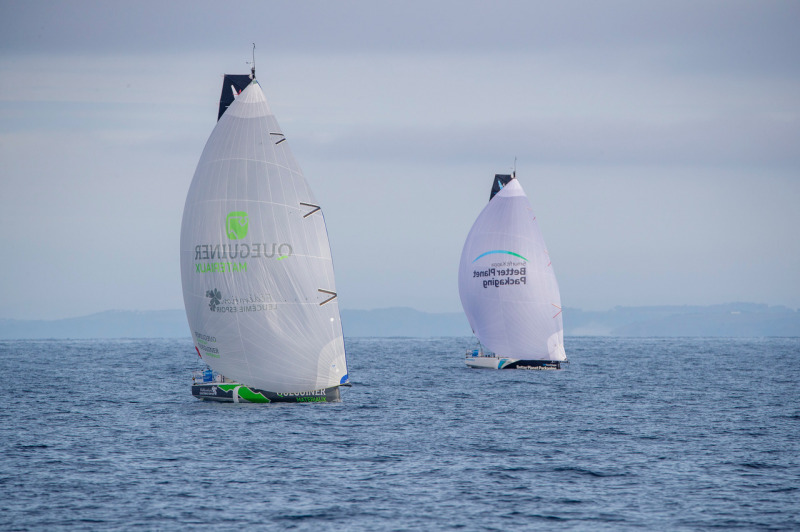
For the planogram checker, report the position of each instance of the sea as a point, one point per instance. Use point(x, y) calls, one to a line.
point(634, 434)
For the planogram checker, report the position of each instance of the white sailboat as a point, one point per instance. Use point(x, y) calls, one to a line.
point(256, 266)
point(507, 286)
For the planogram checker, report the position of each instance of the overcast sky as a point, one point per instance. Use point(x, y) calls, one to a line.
point(658, 142)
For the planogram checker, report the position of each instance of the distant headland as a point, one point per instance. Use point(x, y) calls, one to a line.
point(726, 320)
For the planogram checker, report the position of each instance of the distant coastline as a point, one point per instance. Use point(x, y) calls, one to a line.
point(726, 320)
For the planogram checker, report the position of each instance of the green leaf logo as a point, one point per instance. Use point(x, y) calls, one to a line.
point(236, 225)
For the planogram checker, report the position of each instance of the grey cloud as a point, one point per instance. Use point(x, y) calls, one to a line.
point(732, 34)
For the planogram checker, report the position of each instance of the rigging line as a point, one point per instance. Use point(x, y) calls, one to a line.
point(332, 294)
point(316, 208)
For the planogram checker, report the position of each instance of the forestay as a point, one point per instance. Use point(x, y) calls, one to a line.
point(256, 266)
point(506, 281)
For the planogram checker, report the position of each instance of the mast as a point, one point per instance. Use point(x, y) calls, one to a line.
point(253, 63)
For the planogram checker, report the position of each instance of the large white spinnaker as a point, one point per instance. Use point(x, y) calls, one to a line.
point(506, 281)
point(256, 267)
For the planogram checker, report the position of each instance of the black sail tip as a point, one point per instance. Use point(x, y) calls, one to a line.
point(232, 86)
point(500, 180)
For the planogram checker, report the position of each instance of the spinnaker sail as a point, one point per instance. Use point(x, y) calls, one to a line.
point(256, 267)
point(506, 281)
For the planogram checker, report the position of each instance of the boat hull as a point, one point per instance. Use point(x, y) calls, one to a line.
point(239, 393)
point(483, 362)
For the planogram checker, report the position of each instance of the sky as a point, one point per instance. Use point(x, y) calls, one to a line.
point(658, 142)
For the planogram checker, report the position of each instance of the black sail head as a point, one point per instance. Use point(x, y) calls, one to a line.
point(500, 180)
point(232, 85)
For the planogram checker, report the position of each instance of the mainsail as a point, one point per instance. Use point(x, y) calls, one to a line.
point(256, 267)
point(506, 281)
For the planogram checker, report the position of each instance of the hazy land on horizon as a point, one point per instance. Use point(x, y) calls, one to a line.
point(727, 320)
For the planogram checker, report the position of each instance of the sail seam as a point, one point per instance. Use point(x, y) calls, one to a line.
point(245, 159)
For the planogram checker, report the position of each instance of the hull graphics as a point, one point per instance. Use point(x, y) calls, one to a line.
point(483, 362)
point(534, 364)
point(239, 393)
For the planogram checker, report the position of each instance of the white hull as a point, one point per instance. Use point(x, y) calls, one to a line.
point(487, 362)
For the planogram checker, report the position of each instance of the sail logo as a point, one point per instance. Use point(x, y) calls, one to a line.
point(500, 251)
point(507, 276)
point(215, 297)
point(236, 225)
point(251, 303)
point(222, 255)
point(230, 257)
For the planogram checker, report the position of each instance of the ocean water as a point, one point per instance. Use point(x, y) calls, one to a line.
point(668, 434)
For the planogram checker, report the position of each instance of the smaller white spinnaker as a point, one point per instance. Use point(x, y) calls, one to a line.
point(507, 286)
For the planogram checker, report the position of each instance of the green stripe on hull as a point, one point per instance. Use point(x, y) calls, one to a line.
point(245, 393)
point(235, 392)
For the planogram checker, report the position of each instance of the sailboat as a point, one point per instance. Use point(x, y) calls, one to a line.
point(256, 268)
point(507, 286)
